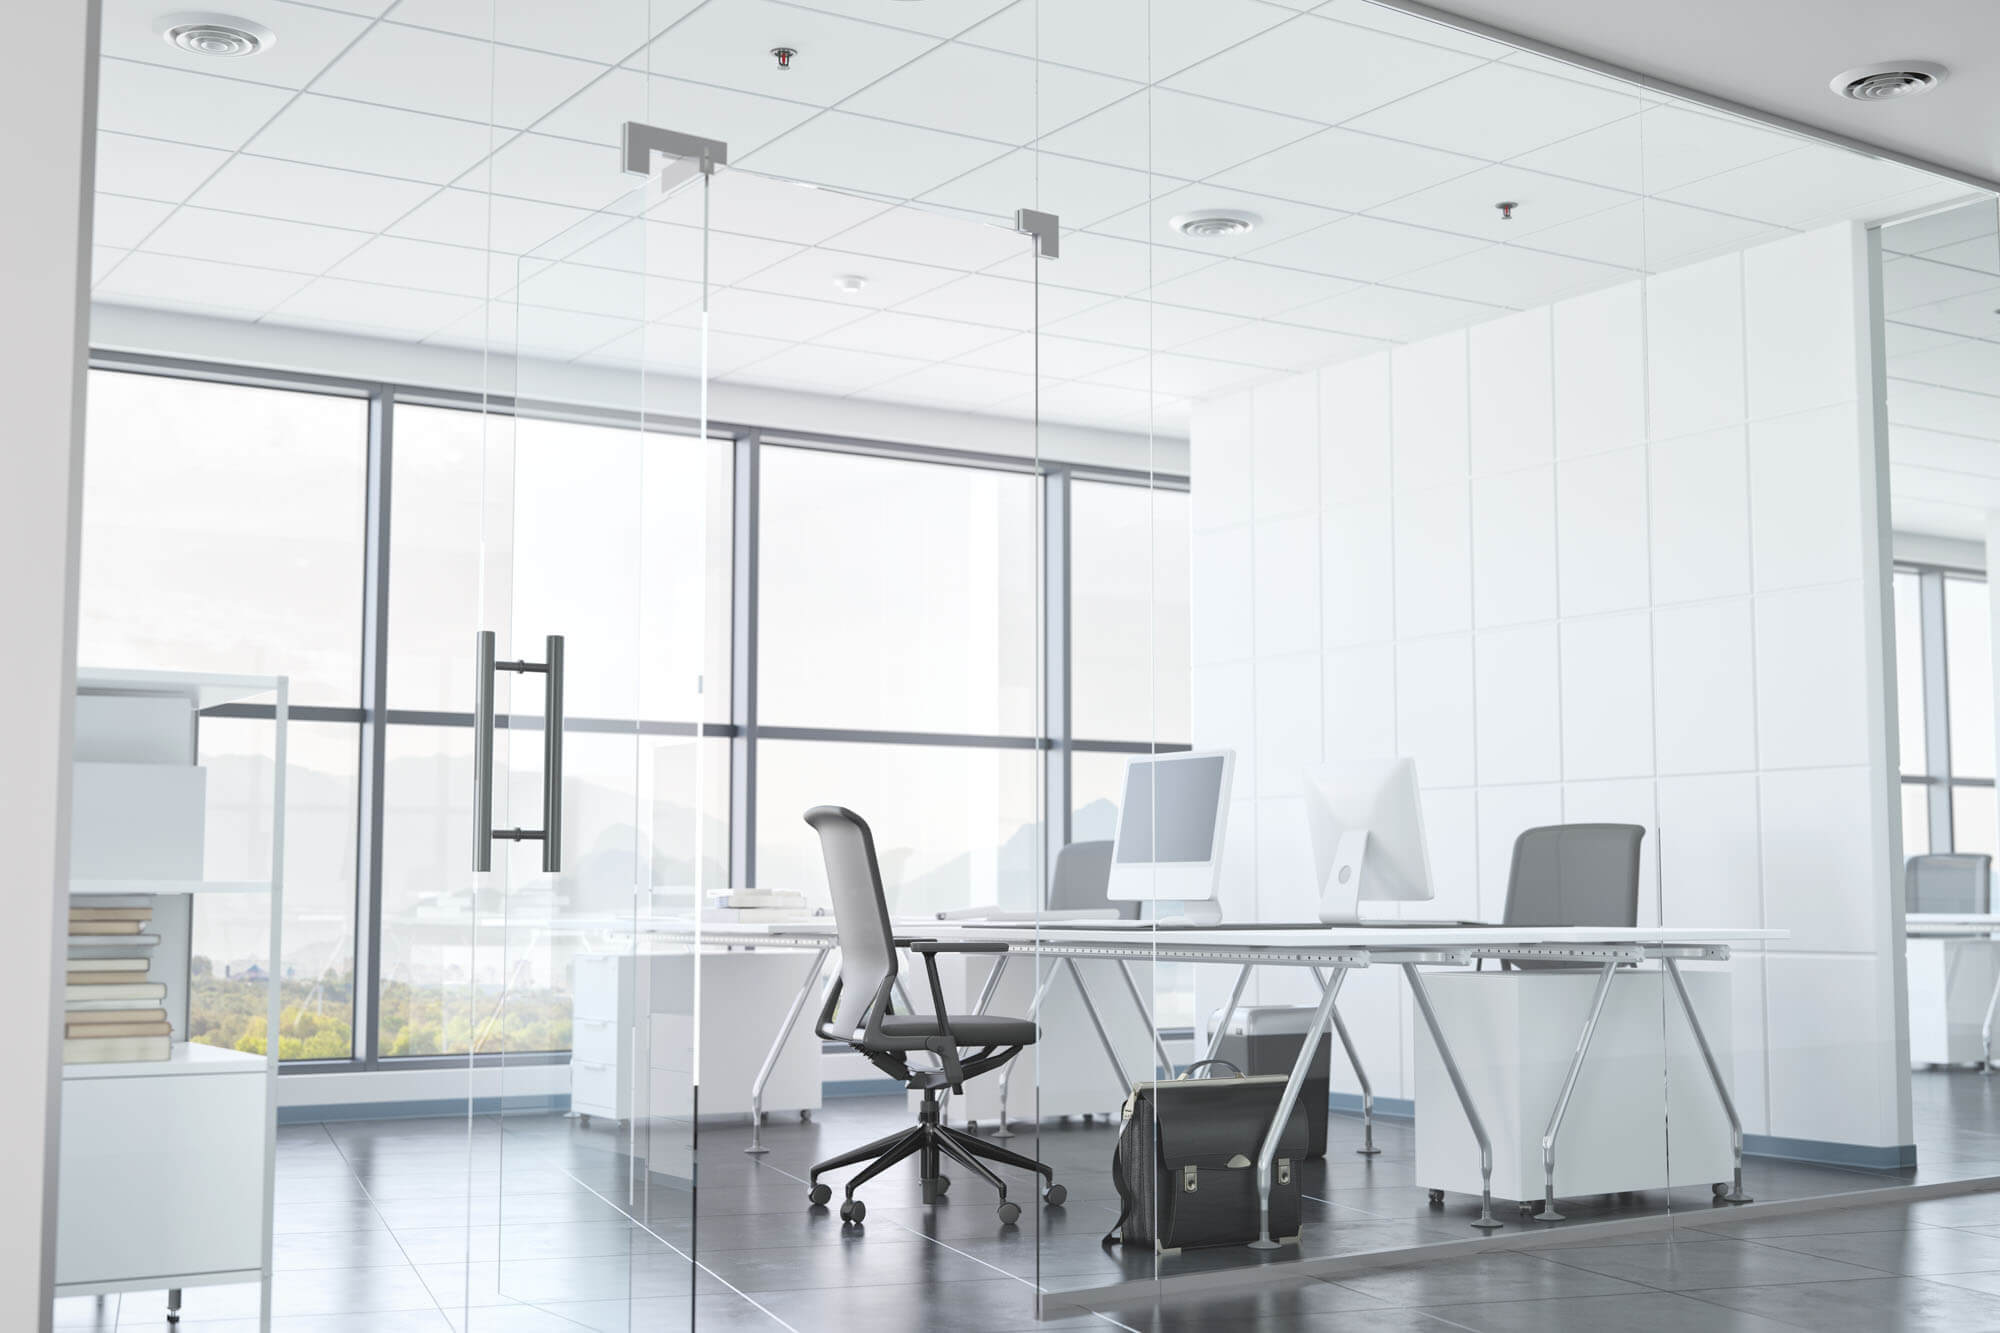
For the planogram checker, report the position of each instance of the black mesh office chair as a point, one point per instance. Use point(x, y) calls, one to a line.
point(1573, 875)
point(1958, 882)
point(858, 1011)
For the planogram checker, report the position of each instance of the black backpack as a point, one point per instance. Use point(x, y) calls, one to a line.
point(1186, 1162)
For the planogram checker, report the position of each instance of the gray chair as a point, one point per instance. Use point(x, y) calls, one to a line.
point(859, 1010)
point(1960, 882)
point(1574, 875)
point(1082, 880)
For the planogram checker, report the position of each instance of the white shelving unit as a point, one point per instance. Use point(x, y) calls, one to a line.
point(167, 1167)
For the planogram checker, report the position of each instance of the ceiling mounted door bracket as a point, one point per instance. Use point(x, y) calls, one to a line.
point(693, 152)
point(1046, 228)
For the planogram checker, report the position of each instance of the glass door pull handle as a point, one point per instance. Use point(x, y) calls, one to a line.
point(485, 666)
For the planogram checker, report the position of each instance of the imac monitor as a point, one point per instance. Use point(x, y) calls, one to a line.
point(1367, 836)
point(1170, 827)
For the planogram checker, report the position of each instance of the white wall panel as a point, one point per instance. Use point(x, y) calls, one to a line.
point(1831, 1050)
point(1512, 393)
point(1286, 890)
point(1451, 833)
point(1222, 591)
point(1288, 722)
point(1514, 547)
point(1354, 425)
point(1805, 497)
point(1600, 372)
point(1359, 702)
point(1224, 702)
point(1434, 722)
point(1428, 388)
point(1812, 680)
point(1287, 603)
point(1284, 424)
point(1818, 868)
point(1710, 864)
point(1694, 348)
point(1704, 687)
point(1700, 497)
point(1433, 533)
point(1504, 814)
point(1802, 322)
point(1607, 697)
point(1219, 457)
point(1357, 573)
point(1516, 673)
point(1601, 554)
point(1626, 801)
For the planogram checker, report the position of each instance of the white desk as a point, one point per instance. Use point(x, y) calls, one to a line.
point(1946, 928)
point(1326, 949)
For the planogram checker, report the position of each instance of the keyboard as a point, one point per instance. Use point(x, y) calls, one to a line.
point(1184, 923)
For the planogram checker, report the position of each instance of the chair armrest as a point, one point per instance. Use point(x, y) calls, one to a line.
point(954, 946)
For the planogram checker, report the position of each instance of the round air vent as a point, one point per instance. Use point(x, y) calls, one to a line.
point(215, 35)
point(1889, 80)
point(1212, 224)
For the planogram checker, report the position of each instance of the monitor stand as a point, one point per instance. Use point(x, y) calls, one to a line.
point(1340, 892)
point(1195, 912)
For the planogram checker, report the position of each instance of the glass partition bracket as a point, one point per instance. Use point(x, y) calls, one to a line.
point(1367, 1148)
point(691, 151)
point(777, 1046)
point(550, 833)
point(1603, 992)
point(1046, 228)
point(1267, 1152)
point(1422, 995)
point(1735, 1192)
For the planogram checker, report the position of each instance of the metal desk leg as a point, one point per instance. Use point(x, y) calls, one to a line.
point(1146, 1016)
point(1487, 1221)
point(777, 1046)
point(1367, 1148)
point(1228, 1012)
point(1736, 1194)
point(1549, 1213)
point(1986, 1030)
point(1007, 1070)
point(1267, 1153)
point(1089, 1007)
point(992, 982)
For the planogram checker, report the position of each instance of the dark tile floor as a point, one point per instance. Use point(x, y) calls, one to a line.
point(533, 1223)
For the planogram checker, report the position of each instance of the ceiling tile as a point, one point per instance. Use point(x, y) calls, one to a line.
point(304, 193)
point(987, 94)
point(1901, 340)
point(468, 217)
point(1185, 376)
point(309, 36)
point(1277, 219)
point(729, 45)
point(924, 236)
point(396, 312)
point(536, 331)
point(1660, 149)
point(871, 156)
point(1078, 192)
point(1366, 14)
point(232, 290)
point(743, 121)
point(600, 291)
point(153, 168)
point(356, 136)
point(916, 336)
point(786, 319)
point(1345, 170)
point(604, 32)
point(189, 108)
point(1367, 249)
point(1466, 205)
point(1392, 313)
point(1980, 252)
point(104, 258)
point(1945, 409)
point(448, 75)
point(1510, 275)
point(1811, 185)
point(1909, 282)
point(1283, 346)
point(825, 369)
point(1496, 112)
point(1048, 357)
point(557, 171)
point(1971, 316)
point(1941, 519)
point(669, 251)
point(1967, 364)
point(1092, 402)
point(1175, 134)
point(811, 274)
point(746, 203)
point(1001, 302)
point(1143, 40)
point(962, 387)
point(1240, 287)
point(1653, 235)
point(240, 238)
point(1114, 267)
point(1573, 73)
point(1951, 226)
point(938, 18)
point(122, 223)
point(461, 270)
point(1142, 324)
point(681, 351)
point(1291, 69)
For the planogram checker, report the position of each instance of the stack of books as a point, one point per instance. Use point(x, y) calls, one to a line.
point(732, 906)
point(111, 1012)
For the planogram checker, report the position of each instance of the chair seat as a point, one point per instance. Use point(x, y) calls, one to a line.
point(970, 1029)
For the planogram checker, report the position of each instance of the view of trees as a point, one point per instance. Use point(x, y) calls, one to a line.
point(317, 1019)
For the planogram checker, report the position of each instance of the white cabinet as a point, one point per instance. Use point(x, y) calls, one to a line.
point(1951, 984)
point(1513, 1035)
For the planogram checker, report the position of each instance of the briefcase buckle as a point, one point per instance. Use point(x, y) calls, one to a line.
point(1188, 1179)
point(1284, 1170)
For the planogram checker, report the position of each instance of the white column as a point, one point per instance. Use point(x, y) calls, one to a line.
point(48, 114)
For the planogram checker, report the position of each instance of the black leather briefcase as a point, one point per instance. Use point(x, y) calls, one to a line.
point(1186, 1163)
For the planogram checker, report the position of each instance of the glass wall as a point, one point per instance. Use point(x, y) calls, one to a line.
point(1944, 702)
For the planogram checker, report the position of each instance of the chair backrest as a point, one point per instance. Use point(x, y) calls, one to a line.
point(860, 914)
point(1575, 875)
point(1082, 879)
point(1948, 882)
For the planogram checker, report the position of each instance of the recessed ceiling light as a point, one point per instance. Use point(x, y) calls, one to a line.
point(850, 283)
point(215, 34)
point(1888, 80)
point(1212, 224)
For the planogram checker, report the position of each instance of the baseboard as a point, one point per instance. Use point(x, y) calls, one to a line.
point(1386, 1108)
point(1824, 1153)
point(427, 1108)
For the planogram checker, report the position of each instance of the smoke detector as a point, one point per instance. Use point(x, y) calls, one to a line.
point(1214, 224)
point(850, 283)
point(215, 35)
point(1889, 80)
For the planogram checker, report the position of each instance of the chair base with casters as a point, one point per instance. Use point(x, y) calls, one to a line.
point(930, 1141)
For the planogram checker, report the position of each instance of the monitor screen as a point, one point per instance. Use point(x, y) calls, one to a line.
point(1170, 810)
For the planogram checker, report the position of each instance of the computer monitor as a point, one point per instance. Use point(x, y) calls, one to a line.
point(1367, 830)
point(1170, 827)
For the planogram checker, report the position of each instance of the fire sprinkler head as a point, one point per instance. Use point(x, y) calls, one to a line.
point(784, 55)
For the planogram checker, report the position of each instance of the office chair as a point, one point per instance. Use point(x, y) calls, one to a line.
point(1573, 875)
point(858, 1011)
point(1958, 882)
point(1082, 880)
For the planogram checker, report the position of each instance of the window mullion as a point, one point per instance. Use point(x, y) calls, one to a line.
point(1937, 709)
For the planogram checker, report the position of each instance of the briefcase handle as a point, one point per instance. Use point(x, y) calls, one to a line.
point(1189, 1071)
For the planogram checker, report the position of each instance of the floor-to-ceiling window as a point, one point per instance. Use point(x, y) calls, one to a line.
point(1944, 688)
point(228, 527)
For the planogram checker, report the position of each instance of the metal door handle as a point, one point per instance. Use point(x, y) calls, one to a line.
point(483, 832)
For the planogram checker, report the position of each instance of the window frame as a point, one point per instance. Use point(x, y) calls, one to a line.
point(1055, 740)
point(1937, 777)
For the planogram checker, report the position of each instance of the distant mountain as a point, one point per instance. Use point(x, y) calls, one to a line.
point(1014, 867)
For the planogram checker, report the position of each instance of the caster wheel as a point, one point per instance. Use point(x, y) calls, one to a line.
point(1720, 1189)
point(1055, 1196)
point(818, 1194)
point(853, 1211)
point(583, 1122)
point(972, 1126)
point(1437, 1198)
point(1010, 1213)
point(943, 1185)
